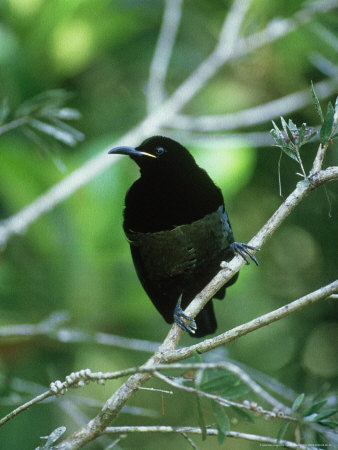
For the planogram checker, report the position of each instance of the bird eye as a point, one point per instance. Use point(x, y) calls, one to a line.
point(159, 151)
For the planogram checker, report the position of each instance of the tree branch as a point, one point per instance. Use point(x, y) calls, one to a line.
point(210, 432)
point(161, 117)
point(257, 114)
point(50, 327)
point(160, 62)
point(259, 322)
point(221, 400)
point(85, 376)
point(166, 352)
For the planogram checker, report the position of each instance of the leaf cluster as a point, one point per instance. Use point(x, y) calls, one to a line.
point(42, 119)
point(291, 138)
point(225, 385)
point(315, 412)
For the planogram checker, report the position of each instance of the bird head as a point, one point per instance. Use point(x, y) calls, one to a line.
point(157, 153)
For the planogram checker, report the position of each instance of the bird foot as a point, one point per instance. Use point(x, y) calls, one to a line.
point(179, 317)
point(242, 249)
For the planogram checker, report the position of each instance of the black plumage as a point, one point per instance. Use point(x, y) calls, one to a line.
point(178, 230)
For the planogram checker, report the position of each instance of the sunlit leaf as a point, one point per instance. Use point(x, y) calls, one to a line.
point(49, 99)
point(292, 126)
point(78, 136)
point(298, 402)
point(311, 418)
point(51, 130)
point(65, 113)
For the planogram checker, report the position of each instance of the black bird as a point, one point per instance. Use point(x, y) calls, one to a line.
point(178, 230)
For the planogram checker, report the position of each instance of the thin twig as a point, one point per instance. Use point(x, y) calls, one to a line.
point(82, 377)
point(13, 124)
point(25, 406)
point(114, 404)
point(221, 400)
point(257, 114)
point(19, 222)
point(318, 162)
point(228, 336)
point(210, 432)
point(153, 123)
point(68, 335)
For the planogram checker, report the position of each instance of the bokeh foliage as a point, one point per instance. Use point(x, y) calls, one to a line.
point(76, 258)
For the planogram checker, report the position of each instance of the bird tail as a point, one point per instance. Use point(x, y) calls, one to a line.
point(205, 321)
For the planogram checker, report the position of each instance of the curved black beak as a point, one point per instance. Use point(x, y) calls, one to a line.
point(130, 151)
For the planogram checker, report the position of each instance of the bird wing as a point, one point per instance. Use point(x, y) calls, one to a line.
point(182, 260)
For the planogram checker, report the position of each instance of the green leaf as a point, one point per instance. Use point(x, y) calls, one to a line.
point(320, 440)
point(51, 130)
point(222, 421)
point(200, 418)
point(311, 418)
point(329, 423)
point(78, 136)
point(278, 137)
point(282, 141)
point(4, 110)
point(243, 414)
point(50, 99)
point(282, 431)
point(236, 391)
point(327, 127)
point(302, 133)
point(292, 126)
point(326, 414)
point(309, 136)
point(298, 402)
point(316, 103)
point(287, 129)
point(315, 407)
point(284, 124)
point(57, 113)
point(219, 384)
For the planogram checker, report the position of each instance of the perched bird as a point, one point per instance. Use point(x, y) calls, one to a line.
point(178, 231)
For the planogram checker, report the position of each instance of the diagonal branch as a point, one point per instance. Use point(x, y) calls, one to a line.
point(302, 190)
point(166, 352)
point(160, 62)
point(19, 222)
point(259, 322)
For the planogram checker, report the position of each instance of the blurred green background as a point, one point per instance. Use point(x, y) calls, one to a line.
point(76, 258)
